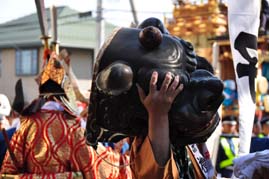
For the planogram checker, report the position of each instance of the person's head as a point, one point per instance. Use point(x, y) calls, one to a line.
point(265, 125)
point(229, 124)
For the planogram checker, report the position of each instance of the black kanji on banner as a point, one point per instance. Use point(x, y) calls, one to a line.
point(242, 42)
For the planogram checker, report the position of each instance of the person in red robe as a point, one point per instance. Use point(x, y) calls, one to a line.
point(50, 142)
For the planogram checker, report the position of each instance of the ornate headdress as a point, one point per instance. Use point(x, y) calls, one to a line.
point(54, 84)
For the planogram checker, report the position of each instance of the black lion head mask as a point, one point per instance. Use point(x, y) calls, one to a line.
point(130, 56)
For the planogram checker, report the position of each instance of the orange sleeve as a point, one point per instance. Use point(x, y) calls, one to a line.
point(82, 156)
point(144, 165)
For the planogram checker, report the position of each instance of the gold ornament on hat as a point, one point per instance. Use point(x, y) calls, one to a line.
point(53, 71)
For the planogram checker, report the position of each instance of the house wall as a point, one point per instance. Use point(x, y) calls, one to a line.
point(81, 61)
point(8, 78)
point(82, 64)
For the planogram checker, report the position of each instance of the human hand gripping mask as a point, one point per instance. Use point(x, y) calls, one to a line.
point(129, 56)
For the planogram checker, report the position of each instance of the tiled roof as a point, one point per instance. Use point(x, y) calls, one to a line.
point(74, 30)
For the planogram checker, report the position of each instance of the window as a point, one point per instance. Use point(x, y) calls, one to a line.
point(26, 62)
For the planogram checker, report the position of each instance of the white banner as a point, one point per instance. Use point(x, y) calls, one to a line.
point(243, 22)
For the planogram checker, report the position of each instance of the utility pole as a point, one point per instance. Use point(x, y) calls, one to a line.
point(134, 12)
point(100, 30)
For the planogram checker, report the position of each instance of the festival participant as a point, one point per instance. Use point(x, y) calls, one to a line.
point(9, 117)
point(152, 157)
point(50, 141)
point(164, 130)
point(155, 148)
point(5, 127)
point(228, 147)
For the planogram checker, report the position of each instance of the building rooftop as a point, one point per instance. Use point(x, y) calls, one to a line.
point(75, 29)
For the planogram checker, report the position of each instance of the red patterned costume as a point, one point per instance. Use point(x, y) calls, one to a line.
point(50, 142)
point(52, 145)
point(47, 143)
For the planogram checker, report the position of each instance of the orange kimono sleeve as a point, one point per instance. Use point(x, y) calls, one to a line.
point(82, 156)
point(144, 165)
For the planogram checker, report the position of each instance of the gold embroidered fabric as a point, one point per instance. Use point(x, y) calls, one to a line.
point(48, 144)
point(53, 70)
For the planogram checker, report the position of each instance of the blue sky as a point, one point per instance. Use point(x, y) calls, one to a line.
point(115, 11)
